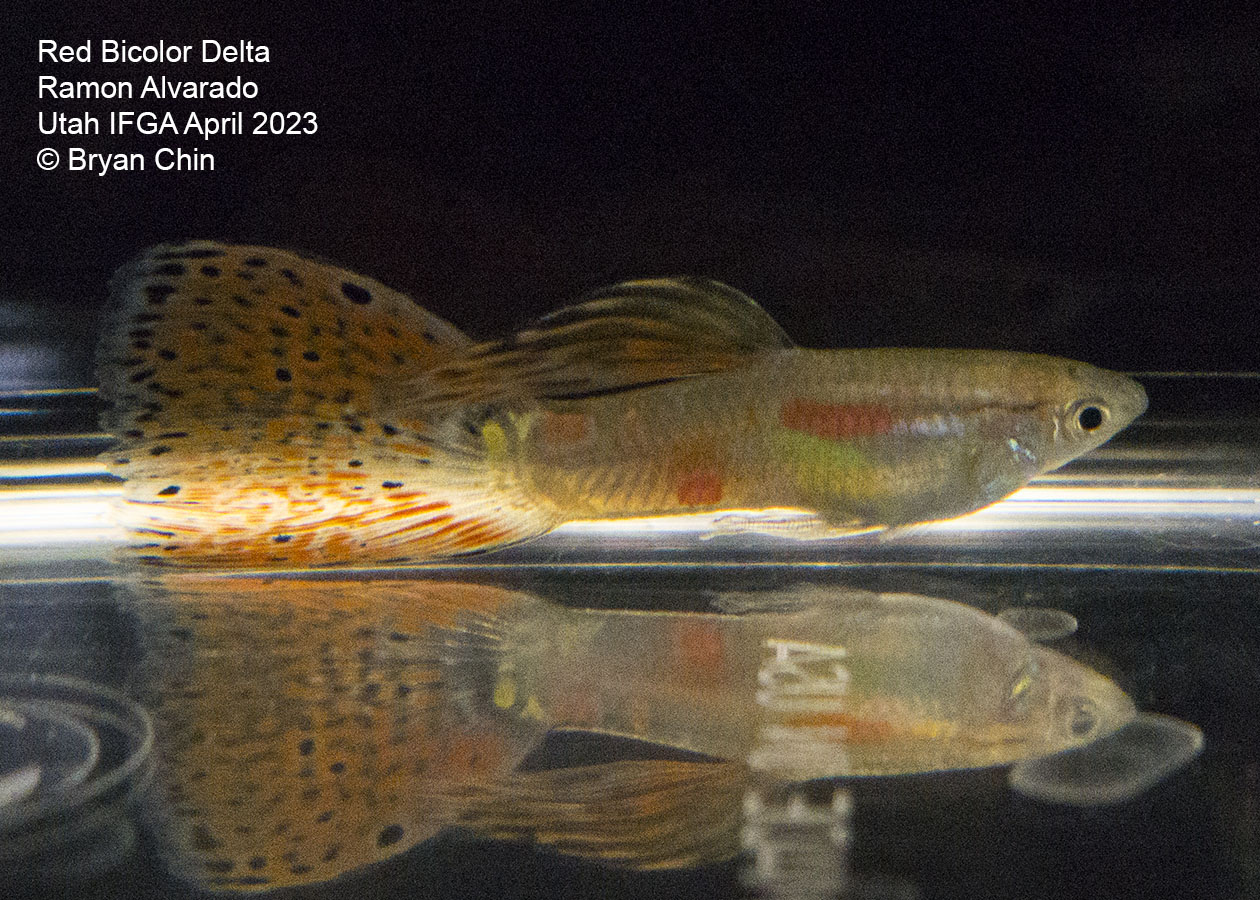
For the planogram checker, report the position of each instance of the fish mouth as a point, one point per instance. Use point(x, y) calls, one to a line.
point(1127, 398)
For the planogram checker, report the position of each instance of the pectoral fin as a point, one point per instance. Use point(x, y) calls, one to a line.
point(1113, 769)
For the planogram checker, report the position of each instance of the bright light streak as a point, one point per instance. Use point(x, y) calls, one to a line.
point(50, 514)
point(1036, 507)
point(40, 517)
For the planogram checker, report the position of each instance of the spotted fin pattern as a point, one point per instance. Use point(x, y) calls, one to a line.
point(305, 729)
point(242, 384)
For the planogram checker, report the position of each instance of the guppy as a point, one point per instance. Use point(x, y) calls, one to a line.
point(306, 728)
point(276, 411)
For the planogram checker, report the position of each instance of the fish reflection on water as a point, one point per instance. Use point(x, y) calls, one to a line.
point(307, 728)
point(274, 411)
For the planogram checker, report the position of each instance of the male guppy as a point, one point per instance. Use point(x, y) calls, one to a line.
point(306, 728)
point(276, 411)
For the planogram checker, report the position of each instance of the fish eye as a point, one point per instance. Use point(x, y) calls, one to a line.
point(1089, 415)
point(1080, 716)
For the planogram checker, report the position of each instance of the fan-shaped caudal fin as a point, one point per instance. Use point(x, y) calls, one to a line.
point(245, 388)
point(305, 729)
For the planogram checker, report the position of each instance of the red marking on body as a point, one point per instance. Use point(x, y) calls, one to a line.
point(700, 649)
point(835, 422)
point(565, 429)
point(700, 487)
point(857, 730)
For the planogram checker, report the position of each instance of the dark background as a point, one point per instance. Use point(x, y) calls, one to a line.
point(1073, 181)
point(1077, 181)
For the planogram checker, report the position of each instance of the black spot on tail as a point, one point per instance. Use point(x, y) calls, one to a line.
point(170, 491)
point(356, 294)
point(389, 836)
point(157, 293)
point(256, 261)
point(211, 271)
point(202, 839)
point(284, 375)
point(174, 269)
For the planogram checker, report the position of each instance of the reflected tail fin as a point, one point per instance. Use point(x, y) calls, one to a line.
point(305, 729)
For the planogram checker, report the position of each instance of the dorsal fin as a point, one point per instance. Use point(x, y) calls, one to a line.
point(639, 814)
point(629, 335)
point(242, 384)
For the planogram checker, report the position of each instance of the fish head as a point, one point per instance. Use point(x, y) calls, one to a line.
point(1052, 703)
point(1088, 406)
point(1056, 410)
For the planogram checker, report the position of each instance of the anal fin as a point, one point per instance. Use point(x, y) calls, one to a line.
point(786, 524)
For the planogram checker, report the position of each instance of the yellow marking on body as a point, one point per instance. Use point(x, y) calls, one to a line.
point(496, 440)
point(505, 693)
point(532, 709)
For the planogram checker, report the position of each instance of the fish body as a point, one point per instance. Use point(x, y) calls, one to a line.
point(863, 438)
point(857, 684)
point(305, 729)
point(275, 411)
